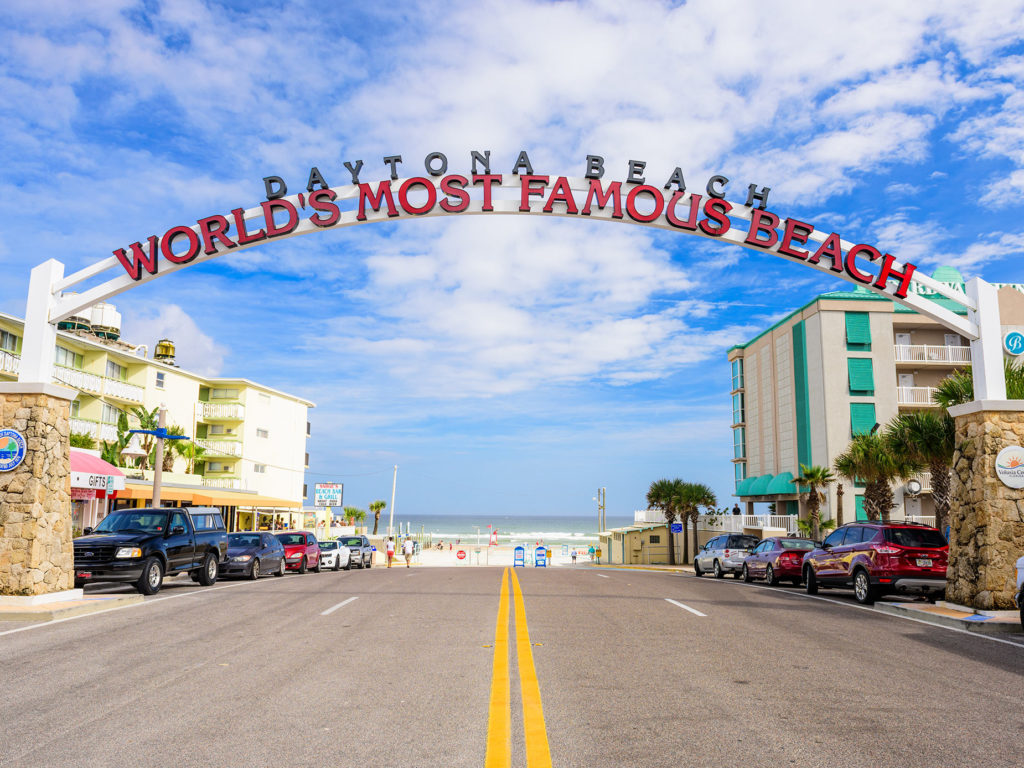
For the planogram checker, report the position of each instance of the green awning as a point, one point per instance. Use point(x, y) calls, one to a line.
point(782, 485)
point(858, 328)
point(760, 485)
point(862, 377)
point(743, 487)
point(862, 418)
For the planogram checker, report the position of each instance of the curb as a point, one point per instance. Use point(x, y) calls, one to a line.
point(52, 611)
point(984, 625)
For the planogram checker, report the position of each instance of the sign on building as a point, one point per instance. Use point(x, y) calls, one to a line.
point(12, 449)
point(328, 494)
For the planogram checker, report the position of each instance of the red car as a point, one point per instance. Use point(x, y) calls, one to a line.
point(777, 558)
point(301, 551)
point(878, 559)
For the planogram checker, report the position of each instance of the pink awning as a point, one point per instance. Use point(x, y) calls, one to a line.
point(88, 471)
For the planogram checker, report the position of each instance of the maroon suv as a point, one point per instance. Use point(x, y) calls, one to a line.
point(877, 559)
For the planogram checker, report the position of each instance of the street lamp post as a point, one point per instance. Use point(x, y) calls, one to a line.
point(391, 518)
point(600, 499)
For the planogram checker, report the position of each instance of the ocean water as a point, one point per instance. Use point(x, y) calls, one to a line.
point(512, 529)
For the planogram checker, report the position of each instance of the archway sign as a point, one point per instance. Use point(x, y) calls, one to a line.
point(640, 198)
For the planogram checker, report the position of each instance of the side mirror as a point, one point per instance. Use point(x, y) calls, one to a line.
point(178, 529)
point(86, 531)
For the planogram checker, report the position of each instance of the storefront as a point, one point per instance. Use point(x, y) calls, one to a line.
point(94, 483)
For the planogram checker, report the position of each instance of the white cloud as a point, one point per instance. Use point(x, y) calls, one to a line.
point(196, 351)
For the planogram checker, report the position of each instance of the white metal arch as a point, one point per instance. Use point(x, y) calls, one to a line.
point(48, 303)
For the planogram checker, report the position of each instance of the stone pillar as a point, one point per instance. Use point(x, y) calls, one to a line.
point(986, 516)
point(36, 556)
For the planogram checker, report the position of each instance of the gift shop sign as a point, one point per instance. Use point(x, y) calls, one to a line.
point(640, 197)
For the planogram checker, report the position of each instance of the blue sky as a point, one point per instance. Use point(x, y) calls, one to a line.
point(507, 364)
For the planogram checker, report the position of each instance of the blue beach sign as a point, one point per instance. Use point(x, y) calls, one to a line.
point(540, 557)
point(12, 449)
point(1013, 342)
point(519, 557)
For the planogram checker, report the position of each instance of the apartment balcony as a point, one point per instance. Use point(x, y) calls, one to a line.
point(917, 397)
point(231, 483)
point(216, 448)
point(122, 390)
point(222, 412)
point(925, 354)
point(85, 427)
point(737, 523)
point(87, 382)
point(9, 362)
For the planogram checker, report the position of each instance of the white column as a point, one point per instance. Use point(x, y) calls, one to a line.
point(37, 348)
point(987, 349)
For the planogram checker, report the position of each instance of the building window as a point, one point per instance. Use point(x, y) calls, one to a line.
point(655, 538)
point(858, 331)
point(110, 414)
point(305, 490)
point(160, 375)
point(740, 471)
point(739, 443)
point(223, 394)
point(738, 416)
point(8, 341)
point(737, 374)
point(862, 418)
point(262, 433)
point(68, 359)
point(307, 460)
point(116, 372)
point(74, 409)
point(259, 469)
point(309, 429)
point(861, 376)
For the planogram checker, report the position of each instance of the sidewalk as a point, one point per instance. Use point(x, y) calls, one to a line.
point(65, 608)
point(957, 616)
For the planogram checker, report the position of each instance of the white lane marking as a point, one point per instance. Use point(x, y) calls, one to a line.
point(603, 576)
point(686, 607)
point(333, 608)
point(42, 624)
point(777, 591)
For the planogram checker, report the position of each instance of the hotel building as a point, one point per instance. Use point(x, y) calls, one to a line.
point(837, 366)
point(253, 437)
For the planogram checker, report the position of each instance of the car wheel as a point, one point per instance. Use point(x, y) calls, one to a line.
point(152, 577)
point(862, 588)
point(337, 563)
point(316, 568)
point(348, 564)
point(302, 565)
point(280, 569)
point(696, 569)
point(254, 570)
point(208, 573)
point(369, 562)
point(746, 574)
point(769, 576)
point(810, 582)
point(719, 573)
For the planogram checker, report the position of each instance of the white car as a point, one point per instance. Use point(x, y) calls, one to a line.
point(334, 555)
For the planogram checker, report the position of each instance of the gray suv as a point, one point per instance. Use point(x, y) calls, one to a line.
point(724, 554)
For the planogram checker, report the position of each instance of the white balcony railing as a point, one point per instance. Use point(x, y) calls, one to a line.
point(85, 427)
point(223, 482)
point(224, 411)
point(737, 523)
point(122, 390)
point(9, 362)
point(219, 447)
point(930, 353)
point(108, 432)
point(73, 377)
point(924, 519)
point(915, 396)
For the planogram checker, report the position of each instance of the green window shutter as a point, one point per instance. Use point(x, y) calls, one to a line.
point(859, 504)
point(858, 330)
point(862, 418)
point(862, 378)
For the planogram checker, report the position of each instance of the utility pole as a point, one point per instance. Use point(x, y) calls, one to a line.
point(391, 518)
point(600, 498)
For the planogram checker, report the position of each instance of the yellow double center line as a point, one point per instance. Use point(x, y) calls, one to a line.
point(499, 727)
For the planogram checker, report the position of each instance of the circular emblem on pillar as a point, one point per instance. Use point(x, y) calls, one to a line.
point(12, 449)
point(1010, 466)
point(1013, 342)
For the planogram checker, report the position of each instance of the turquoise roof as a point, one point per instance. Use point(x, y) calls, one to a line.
point(948, 275)
point(743, 488)
point(782, 485)
point(760, 486)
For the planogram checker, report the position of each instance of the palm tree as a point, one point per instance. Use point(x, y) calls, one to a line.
point(817, 479)
point(173, 448)
point(958, 387)
point(869, 459)
point(928, 438)
point(692, 498)
point(377, 507)
point(192, 454)
point(663, 495)
point(354, 514)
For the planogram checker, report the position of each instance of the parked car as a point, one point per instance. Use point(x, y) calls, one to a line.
point(253, 554)
point(724, 554)
point(777, 558)
point(335, 555)
point(878, 559)
point(142, 546)
point(301, 551)
point(360, 549)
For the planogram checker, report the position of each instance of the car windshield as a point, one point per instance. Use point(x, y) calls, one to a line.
point(291, 538)
point(915, 537)
point(243, 540)
point(797, 544)
point(352, 542)
point(143, 520)
point(328, 545)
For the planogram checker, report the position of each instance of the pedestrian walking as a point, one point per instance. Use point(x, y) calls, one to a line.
point(390, 549)
point(407, 549)
point(591, 552)
point(574, 557)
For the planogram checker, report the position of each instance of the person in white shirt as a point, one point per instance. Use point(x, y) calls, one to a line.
point(390, 550)
point(407, 548)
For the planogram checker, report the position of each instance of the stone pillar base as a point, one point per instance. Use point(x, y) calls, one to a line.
point(986, 516)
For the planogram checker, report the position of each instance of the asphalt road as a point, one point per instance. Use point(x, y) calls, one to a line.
point(267, 674)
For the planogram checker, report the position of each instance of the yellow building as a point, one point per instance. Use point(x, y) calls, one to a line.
point(253, 437)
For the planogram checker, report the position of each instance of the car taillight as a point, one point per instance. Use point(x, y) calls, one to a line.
point(727, 553)
point(884, 550)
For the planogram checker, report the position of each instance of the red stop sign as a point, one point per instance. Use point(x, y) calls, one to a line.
point(461, 554)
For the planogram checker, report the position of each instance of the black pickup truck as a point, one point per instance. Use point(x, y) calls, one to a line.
point(141, 546)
